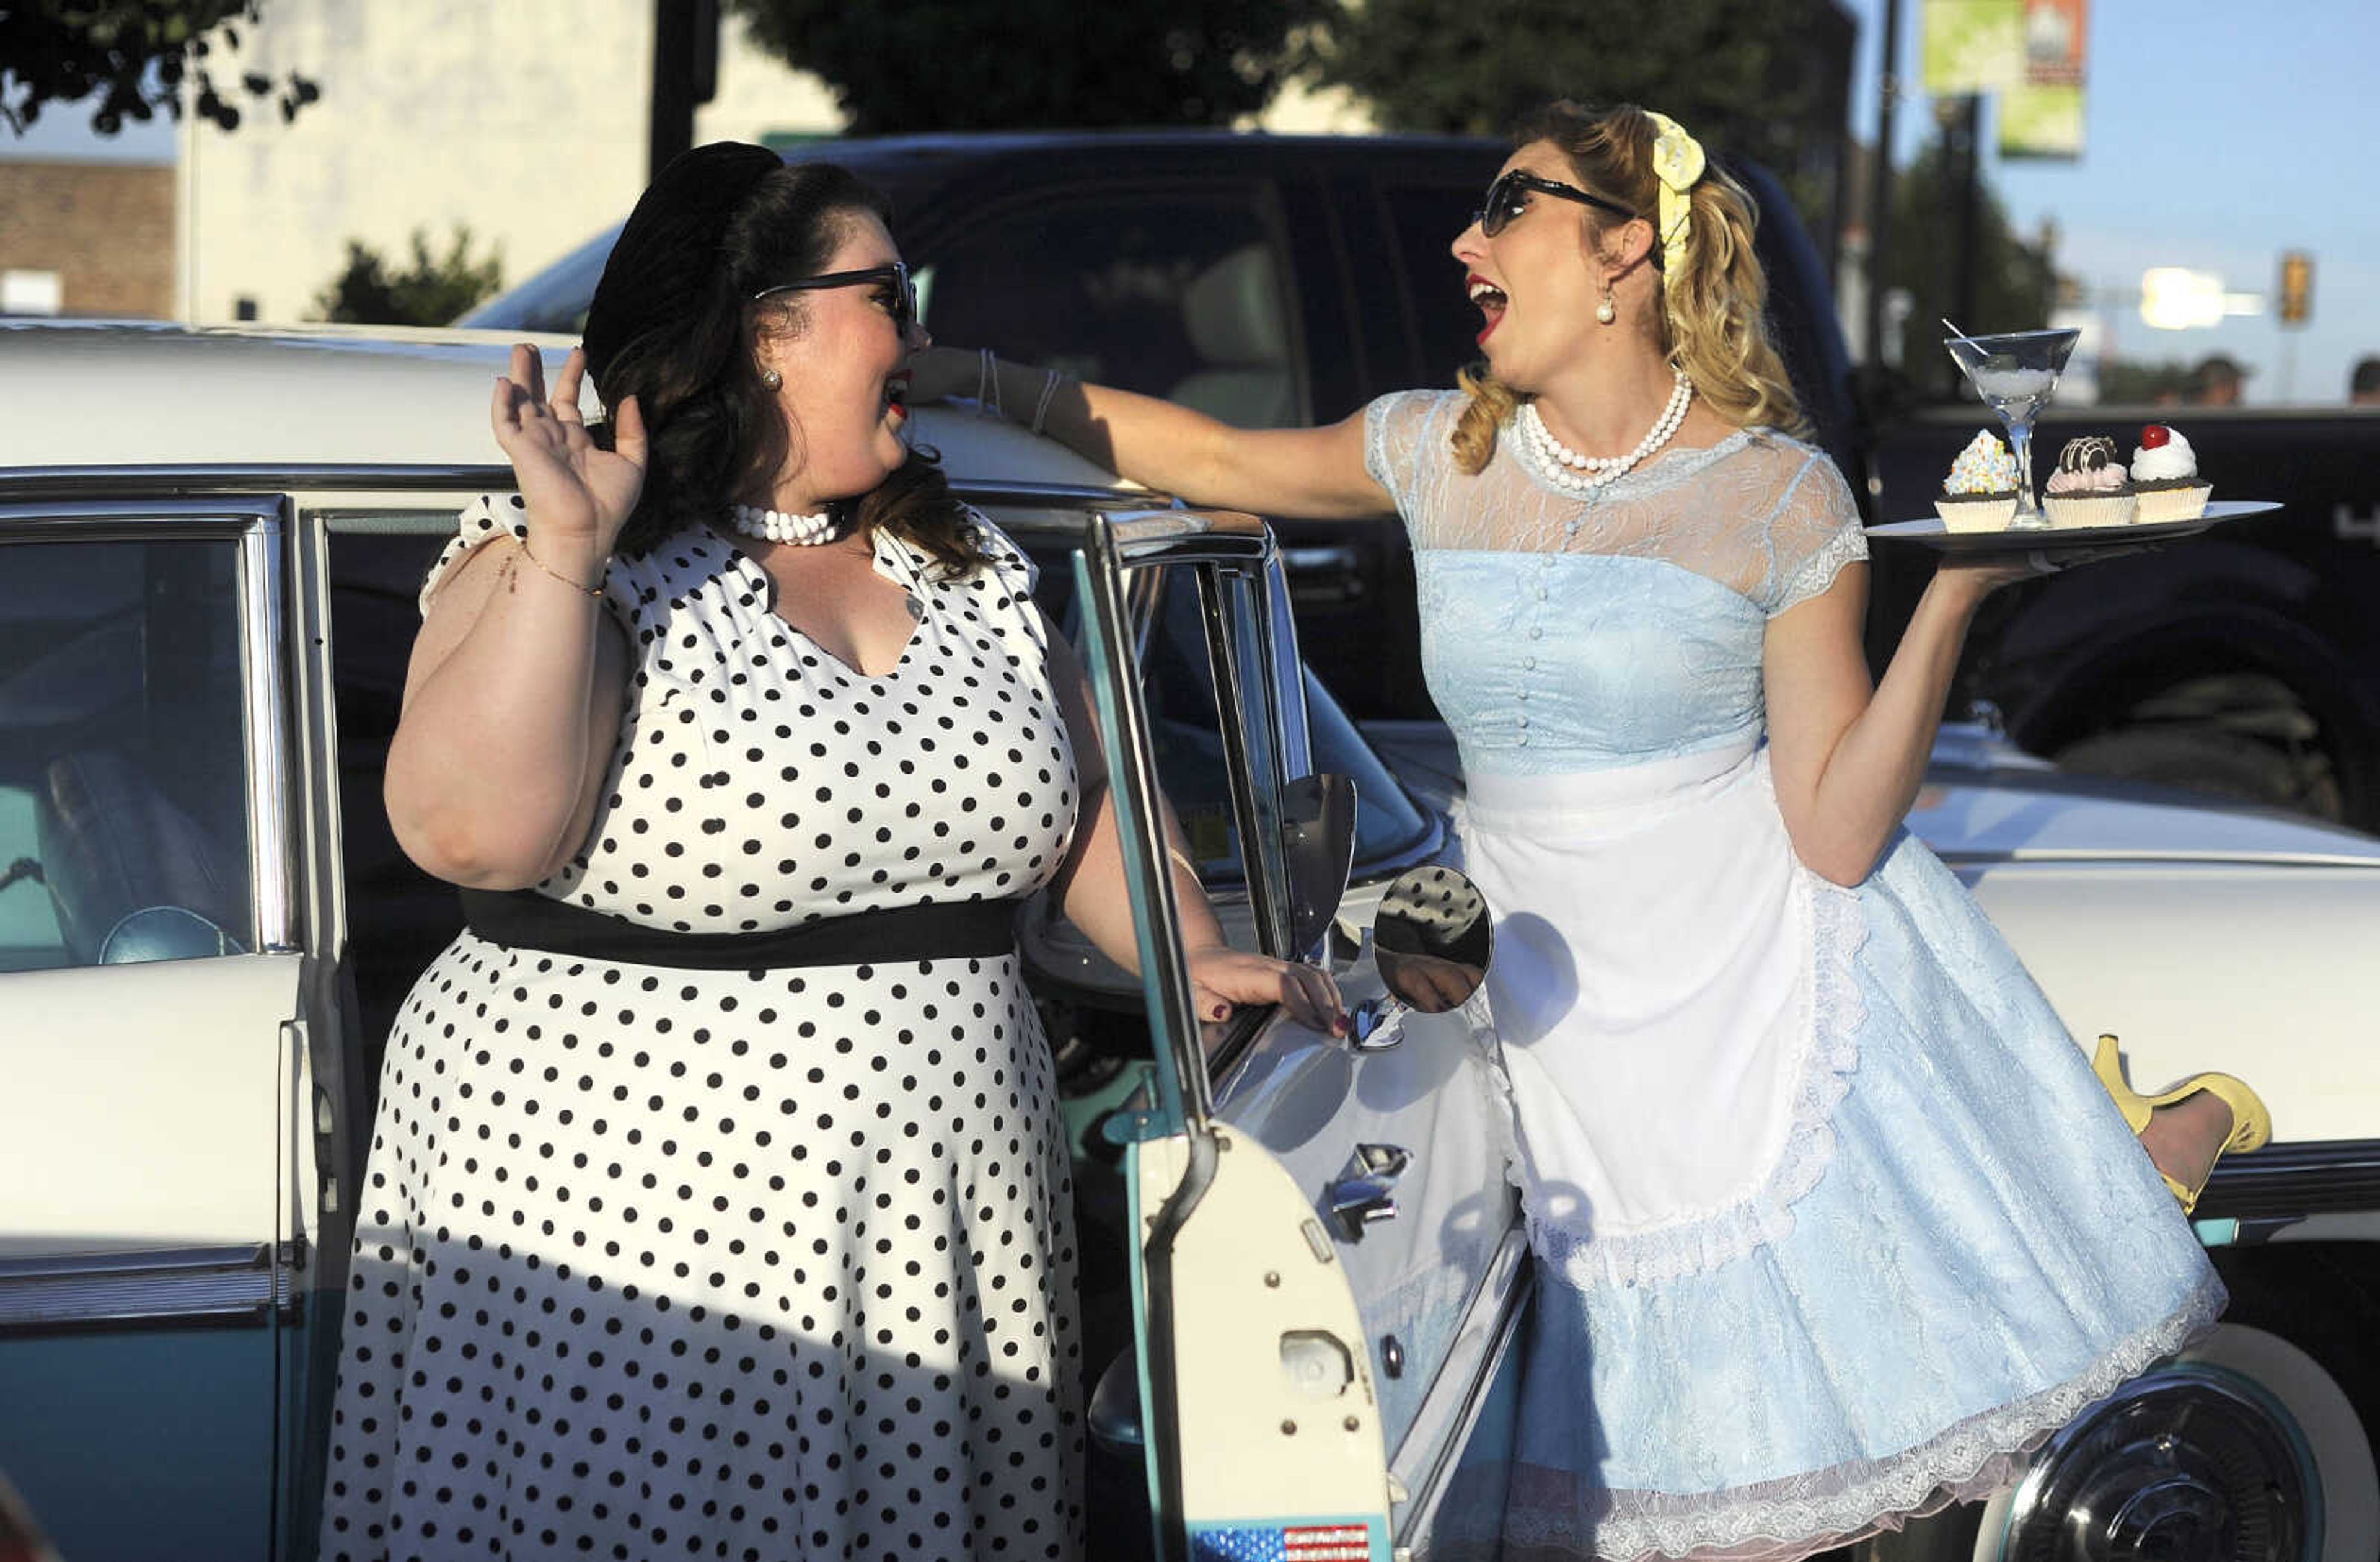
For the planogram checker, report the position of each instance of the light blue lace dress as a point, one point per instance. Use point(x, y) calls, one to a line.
point(1832, 1219)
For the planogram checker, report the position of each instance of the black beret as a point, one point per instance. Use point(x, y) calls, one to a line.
point(660, 273)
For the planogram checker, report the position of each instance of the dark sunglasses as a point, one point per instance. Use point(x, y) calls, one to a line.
point(904, 295)
point(1508, 197)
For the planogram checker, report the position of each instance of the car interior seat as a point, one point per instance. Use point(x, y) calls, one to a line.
point(132, 876)
point(1233, 315)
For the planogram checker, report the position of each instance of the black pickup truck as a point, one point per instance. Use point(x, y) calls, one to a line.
point(2246, 661)
point(1276, 280)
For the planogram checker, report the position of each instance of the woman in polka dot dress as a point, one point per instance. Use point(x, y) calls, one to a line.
point(718, 1202)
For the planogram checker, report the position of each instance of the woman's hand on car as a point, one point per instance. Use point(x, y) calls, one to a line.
point(1222, 978)
point(1430, 983)
point(575, 491)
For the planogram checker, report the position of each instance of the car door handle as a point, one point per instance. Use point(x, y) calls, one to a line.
point(1372, 1025)
point(1364, 1190)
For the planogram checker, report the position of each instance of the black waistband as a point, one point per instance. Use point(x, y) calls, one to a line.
point(522, 919)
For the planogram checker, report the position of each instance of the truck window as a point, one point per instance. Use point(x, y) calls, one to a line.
point(1426, 219)
point(1179, 295)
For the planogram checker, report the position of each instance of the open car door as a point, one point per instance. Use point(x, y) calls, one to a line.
point(1260, 1413)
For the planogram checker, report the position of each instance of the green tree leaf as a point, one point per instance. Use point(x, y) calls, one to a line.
point(962, 65)
point(432, 291)
point(126, 59)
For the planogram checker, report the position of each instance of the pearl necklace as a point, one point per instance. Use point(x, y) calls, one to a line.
point(1579, 473)
point(776, 526)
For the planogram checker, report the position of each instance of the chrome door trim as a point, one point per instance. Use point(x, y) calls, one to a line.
point(264, 641)
point(244, 1285)
point(1444, 1424)
point(1286, 674)
point(2327, 1177)
point(1132, 790)
point(1263, 869)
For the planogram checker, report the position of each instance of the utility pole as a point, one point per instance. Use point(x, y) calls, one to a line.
point(1879, 189)
point(1962, 127)
point(686, 74)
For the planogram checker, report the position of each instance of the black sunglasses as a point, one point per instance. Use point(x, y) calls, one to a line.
point(905, 293)
point(1508, 197)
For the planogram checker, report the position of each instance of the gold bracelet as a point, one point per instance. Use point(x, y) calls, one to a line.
point(1176, 853)
point(595, 590)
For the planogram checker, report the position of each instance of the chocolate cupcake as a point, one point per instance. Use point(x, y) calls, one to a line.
point(2089, 487)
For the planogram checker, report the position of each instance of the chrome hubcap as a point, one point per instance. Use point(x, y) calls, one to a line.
point(2192, 1463)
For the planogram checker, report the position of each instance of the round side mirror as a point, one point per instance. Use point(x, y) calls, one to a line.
point(1432, 940)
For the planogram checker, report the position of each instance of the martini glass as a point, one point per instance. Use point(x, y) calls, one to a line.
point(2015, 372)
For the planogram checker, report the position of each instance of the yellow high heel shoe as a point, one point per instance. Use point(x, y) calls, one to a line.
point(2251, 1123)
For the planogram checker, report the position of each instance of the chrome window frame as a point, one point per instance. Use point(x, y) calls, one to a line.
point(257, 525)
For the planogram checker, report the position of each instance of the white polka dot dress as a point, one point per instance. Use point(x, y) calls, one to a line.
point(654, 1262)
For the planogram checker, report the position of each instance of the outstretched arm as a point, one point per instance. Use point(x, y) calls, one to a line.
point(1316, 473)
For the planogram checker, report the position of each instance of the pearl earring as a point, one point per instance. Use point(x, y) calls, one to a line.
point(1606, 312)
point(771, 379)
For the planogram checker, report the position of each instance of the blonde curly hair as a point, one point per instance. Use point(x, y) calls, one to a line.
point(1713, 319)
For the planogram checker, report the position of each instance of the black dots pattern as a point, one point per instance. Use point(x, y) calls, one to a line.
point(654, 1262)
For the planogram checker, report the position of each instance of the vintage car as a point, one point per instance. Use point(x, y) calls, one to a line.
point(1304, 1273)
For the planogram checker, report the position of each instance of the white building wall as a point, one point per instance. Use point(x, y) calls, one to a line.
point(525, 120)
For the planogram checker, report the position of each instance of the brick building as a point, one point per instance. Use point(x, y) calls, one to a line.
point(87, 239)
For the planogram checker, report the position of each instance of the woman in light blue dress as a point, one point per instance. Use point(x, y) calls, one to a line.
point(1833, 1220)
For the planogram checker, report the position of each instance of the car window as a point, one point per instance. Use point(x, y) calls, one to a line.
point(1179, 295)
point(1181, 701)
point(124, 828)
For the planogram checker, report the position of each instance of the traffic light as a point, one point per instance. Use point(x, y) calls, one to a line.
point(2297, 287)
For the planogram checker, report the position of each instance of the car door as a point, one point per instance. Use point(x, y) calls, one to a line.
point(1257, 1407)
point(1291, 1343)
point(156, 1196)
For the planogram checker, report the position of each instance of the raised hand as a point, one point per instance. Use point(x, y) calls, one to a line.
point(575, 491)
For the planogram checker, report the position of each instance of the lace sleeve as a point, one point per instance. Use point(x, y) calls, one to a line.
point(1816, 534)
point(1398, 432)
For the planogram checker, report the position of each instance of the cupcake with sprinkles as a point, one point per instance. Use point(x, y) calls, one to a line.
point(1980, 492)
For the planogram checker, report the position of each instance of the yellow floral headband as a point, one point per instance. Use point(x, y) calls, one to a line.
point(1678, 162)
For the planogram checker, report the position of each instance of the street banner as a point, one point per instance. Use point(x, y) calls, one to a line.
point(2041, 116)
point(1972, 46)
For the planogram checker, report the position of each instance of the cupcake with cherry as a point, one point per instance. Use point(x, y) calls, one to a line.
point(2091, 487)
point(1980, 492)
point(2165, 484)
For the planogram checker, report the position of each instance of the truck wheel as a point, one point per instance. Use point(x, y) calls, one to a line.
point(2203, 759)
point(2242, 1450)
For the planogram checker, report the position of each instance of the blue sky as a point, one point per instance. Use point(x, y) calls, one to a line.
point(2218, 136)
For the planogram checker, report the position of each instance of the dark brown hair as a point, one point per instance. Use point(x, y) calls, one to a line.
point(670, 325)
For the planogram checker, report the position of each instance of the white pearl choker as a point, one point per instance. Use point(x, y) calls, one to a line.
point(776, 526)
point(1581, 475)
